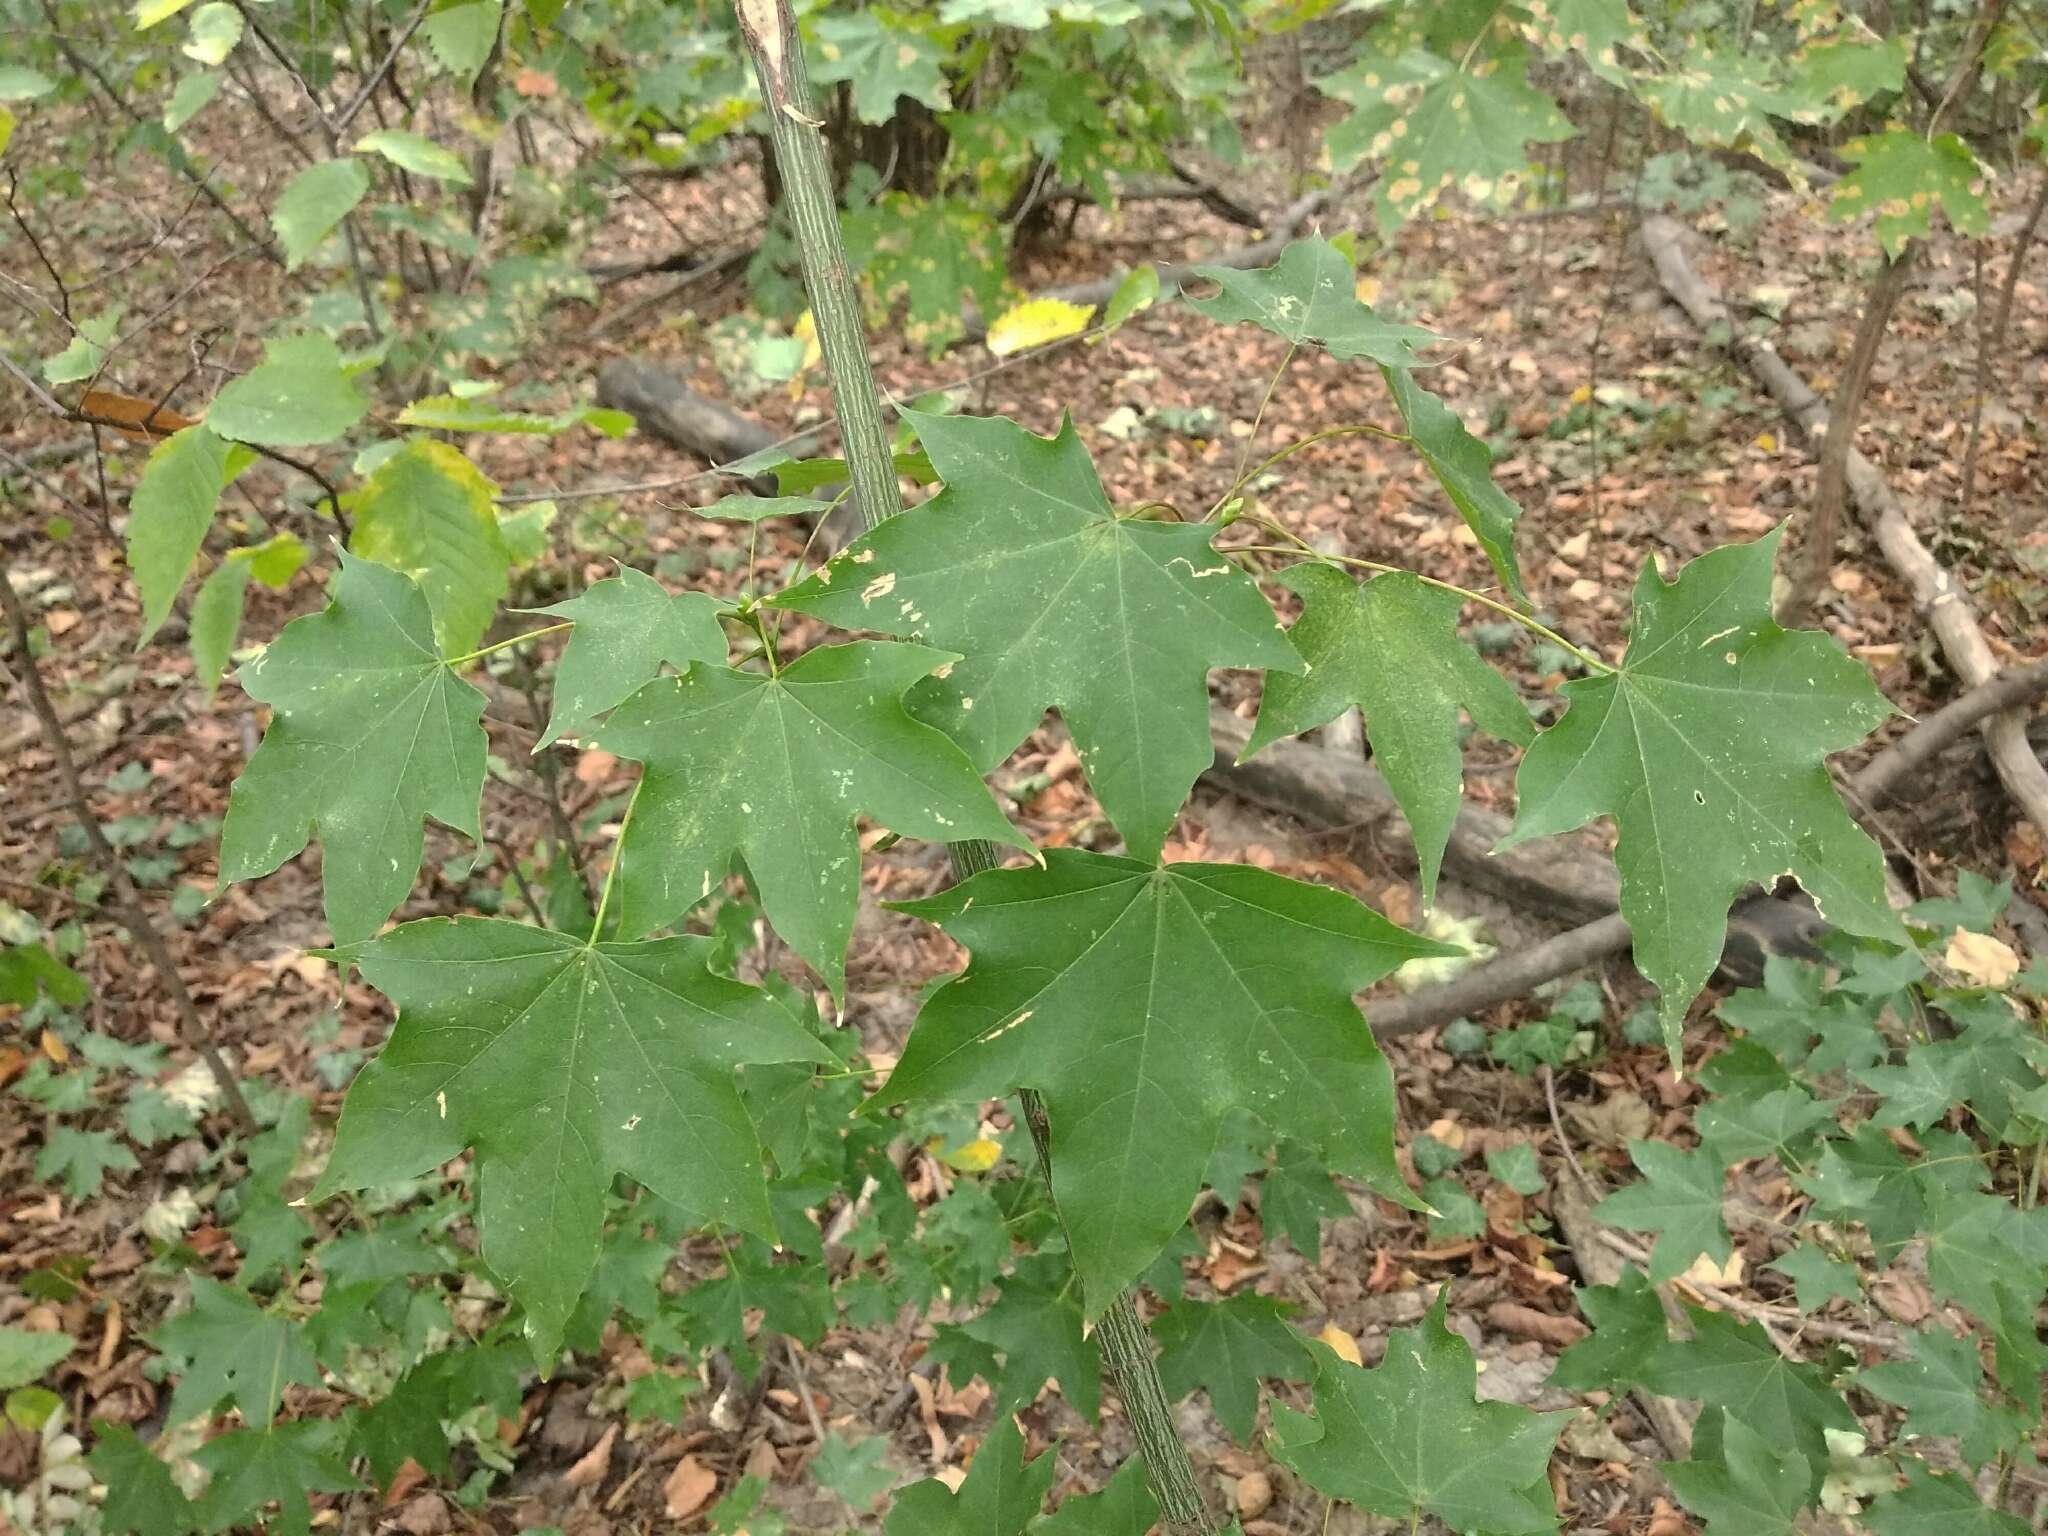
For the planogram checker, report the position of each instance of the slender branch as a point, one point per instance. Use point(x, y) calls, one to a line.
point(127, 902)
point(769, 28)
point(376, 77)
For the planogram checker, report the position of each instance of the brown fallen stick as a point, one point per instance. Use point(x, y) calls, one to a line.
point(1940, 601)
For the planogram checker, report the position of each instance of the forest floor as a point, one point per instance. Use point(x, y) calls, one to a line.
point(1619, 432)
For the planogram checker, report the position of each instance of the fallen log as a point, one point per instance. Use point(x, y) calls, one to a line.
point(1937, 597)
point(681, 417)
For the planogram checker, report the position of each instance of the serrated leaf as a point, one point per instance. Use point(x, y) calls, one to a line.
point(461, 35)
point(214, 30)
point(999, 1498)
point(415, 153)
point(142, 1496)
point(562, 1064)
point(281, 1465)
point(315, 201)
point(1941, 1386)
point(233, 1352)
point(298, 396)
point(1409, 1436)
point(1309, 297)
point(1902, 178)
point(193, 95)
point(775, 768)
point(149, 13)
point(429, 512)
point(87, 350)
point(169, 514)
point(1036, 323)
point(1752, 1491)
point(1141, 1002)
point(1124, 1508)
point(1938, 1504)
point(626, 626)
point(1021, 565)
point(25, 1355)
point(882, 56)
point(1733, 1365)
point(370, 733)
point(1225, 1348)
point(1709, 749)
point(1391, 646)
point(1679, 1198)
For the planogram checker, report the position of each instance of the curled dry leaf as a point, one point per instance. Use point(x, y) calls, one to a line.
point(1522, 1322)
point(592, 1465)
point(688, 1487)
point(1980, 958)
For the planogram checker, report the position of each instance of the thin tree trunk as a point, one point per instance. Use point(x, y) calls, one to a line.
point(769, 28)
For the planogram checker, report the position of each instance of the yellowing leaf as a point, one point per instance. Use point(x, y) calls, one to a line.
point(1768, 441)
point(1368, 290)
point(976, 1156)
point(1342, 1344)
point(1036, 322)
point(149, 12)
point(1983, 959)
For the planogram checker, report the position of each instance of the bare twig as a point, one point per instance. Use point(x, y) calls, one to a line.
point(376, 76)
point(127, 901)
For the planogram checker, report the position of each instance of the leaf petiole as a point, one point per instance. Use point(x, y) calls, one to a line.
point(1246, 477)
point(604, 896)
point(504, 645)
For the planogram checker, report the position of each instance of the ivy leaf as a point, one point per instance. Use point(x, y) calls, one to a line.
point(1391, 646)
point(428, 511)
point(79, 1160)
point(298, 396)
point(142, 1496)
point(774, 768)
point(415, 153)
point(1902, 178)
point(1309, 297)
point(1938, 1504)
point(1144, 1004)
point(1124, 1508)
point(1226, 1348)
point(1941, 1387)
point(1708, 748)
point(1409, 1436)
point(1733, 1365)
point(370, 733)
point(1680, 1199)
point(1053, 600)
point(626, 626)
point(281, 1465)
point(1818, 1278)
point(1753, 1491)
point(1000, 1497)
point(317, 200)
point(882, 58)
point(231, 1350)
point(1463, 467)
point(1037, 1326)
point(1628, 1325)
point(169, 514)
point(562, 1064)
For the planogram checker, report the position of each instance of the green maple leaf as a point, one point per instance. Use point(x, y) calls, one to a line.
point(429, 512)
point(1391, 646)
point(281, 1465)
point(142, 1496)
point(79, 1160)
point(1817, 1277)
point(370, 733)
point(1000, 1497)
point(299, 395)
point(1410, 1436)
point(1036, 1325)
point(1463, 467)
point(626, 626)
point(774, 768)
point(1782, 1123)
point(1296, 1197)
point(1721, 100)
point(1597, 29)
point(1902, 178)
point(1628, 1324)
point(882, 57)
point(1834, 75)
point(405, 1423)
point(1753, 1491)
point(1735, 1366)
point(562, 1064)
point(1680, 1200)
point(1146, 1005)
point(1053, 600)
point(1708, 748)
point(1124, 1508)
point(1225, 1348)
point(1938, 1504)
point(1941, 1387)
point(1310, 297)
point(233, 1351)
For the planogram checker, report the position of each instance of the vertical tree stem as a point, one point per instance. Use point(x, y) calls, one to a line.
point(127, 901)
point(769, 27)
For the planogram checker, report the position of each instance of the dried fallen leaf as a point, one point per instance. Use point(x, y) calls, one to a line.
point(139, 419)
point(1987, 961)
point(591, 1466)
point(687, 1488)
point(1552, 1328)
